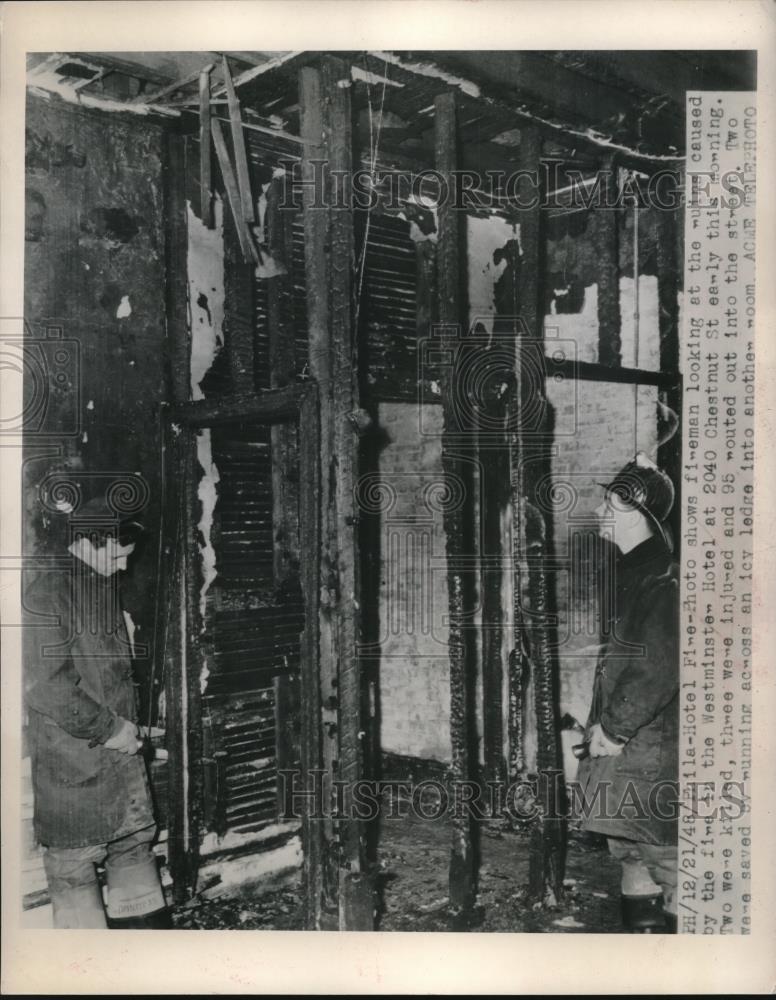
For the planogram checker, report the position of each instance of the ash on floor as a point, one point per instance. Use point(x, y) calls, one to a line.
point(412, 882)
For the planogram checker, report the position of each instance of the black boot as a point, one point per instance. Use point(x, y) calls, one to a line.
point(643, 914)
point(670, 919)
point(159, 920)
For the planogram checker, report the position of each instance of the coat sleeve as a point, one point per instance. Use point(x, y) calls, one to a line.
point(648, 682)
point(52, 683)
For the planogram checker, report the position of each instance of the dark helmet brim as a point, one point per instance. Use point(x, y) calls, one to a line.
point(613, 488)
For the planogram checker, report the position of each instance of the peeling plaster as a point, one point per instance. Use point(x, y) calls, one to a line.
point(579, 329)
point(425, 206)
point(484, 237)
point(205, 266)
point(208, 497)
point(90, 405)
point(124, 310)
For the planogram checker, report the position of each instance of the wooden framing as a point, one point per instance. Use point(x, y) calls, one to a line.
point(532, 646)
point(609, 318)
point(339, 888)
point(345, 899)
point(282, 366)
point(462, 868)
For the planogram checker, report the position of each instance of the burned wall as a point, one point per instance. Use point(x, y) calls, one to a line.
point(95, 314)
point(94, 310)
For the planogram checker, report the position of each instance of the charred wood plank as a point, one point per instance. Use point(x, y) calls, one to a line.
point(265, 407)
point(205, 178)
point(282, 364)
point(355, 887)
point(529, 461)
point(607, 245)
point(462, 887)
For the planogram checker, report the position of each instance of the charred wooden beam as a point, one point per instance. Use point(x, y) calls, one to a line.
point(462, 866)
point(266, 407)
point(205, 179)
point(321, 862)
point(176, 251)
point(179, 376)
point(238, 145)
point(175, 689)
point(589, 371)
point(282, 365)
point(345, 899)
point(232, 193)
point(607, 245)
point(356, 904)
point(529, 460)
point(311, 739)
point(494, 465)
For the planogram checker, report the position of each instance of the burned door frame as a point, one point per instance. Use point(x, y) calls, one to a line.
point(291, 404)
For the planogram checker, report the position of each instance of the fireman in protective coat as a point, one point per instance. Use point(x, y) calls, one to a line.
point(629, 773)
point(92, 800)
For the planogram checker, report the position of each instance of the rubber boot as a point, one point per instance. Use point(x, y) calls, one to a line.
point(135, 897)
point(79, 908)
point(643, 914)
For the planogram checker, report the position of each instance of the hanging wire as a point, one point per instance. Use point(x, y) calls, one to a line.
point(635, 315)
point(374, 143)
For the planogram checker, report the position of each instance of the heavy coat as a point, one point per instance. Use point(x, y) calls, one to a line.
point(77, 680)
point(635, 698)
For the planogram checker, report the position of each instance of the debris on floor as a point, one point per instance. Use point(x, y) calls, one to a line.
point(412, 885)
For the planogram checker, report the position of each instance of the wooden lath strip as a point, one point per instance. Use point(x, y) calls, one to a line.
point(205, 179)
point(233, 193)
point(238, 143)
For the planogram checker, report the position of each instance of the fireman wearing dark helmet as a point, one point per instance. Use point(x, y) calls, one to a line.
point(92, 800)
point(629, 774)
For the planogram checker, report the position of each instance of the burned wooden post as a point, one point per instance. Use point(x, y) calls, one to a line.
point(346, 899)
point(462, 870)
point(313, 843)
point(532, 654)
point(494, 462)
point(282, 368)
point(182, 670)
point(607, 247)
point(205, 178)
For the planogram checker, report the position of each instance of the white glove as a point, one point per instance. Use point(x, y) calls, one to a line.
point(124, 738)
point(601, 745)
